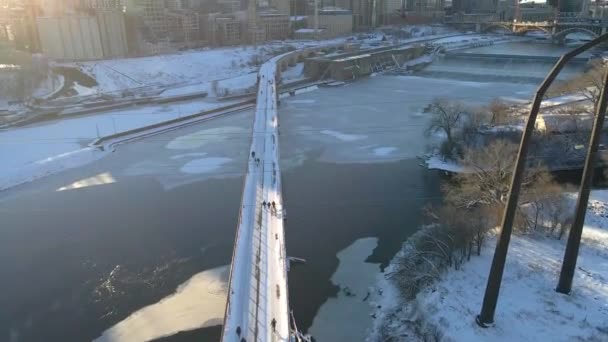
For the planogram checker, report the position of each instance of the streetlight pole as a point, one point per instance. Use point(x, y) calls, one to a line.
point(574, 238)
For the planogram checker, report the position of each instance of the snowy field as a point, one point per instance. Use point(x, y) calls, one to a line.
point(183, 68)
point(528, 308)
point(233, 68)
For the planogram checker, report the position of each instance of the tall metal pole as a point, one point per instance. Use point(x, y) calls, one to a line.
point(574, 238)
point(317, 19)
point(486, 316)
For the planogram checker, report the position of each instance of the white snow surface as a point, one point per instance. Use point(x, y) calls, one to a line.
point(48, 166)
point(293, 73)
point(191, 66)
point(35, 151)
point(528, 309)
point(435, 162)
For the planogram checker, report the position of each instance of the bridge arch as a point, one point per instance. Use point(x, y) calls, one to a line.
point(494, 26)
point(526, 29)
point(561, 35)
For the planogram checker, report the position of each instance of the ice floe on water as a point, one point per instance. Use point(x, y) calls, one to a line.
point(188, 155)
point(346, 316)
point(303, 101)
point(343, 136)
point(384, 151)
point(206, 137)
point(204, 165)
point(197, 303)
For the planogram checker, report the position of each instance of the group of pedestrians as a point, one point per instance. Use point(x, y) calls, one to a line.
point(255, 160)
point(272, 206)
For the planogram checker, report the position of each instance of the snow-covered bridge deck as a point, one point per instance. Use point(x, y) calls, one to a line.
point(258, 308)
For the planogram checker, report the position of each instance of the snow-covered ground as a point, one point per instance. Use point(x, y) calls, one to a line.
point(293, 73)
point(436, 162)
point(35, 151)
point(191, 71)
point(183, 68)
point(528, 308)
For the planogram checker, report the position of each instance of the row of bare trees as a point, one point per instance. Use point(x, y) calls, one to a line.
point(459, 123)
point(587, 84)
point(473, 205)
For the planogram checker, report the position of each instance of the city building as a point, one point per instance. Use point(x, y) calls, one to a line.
point(104, 4)
point(431, 10)
point(282, 6)
point(53, 8)
point(474, 6)
point(230, 6)
point(335, 21)
point(164, 26)
point(362, 14)
point(274, 24)
point(20, 26)
point(223, 29)
point(83, 37)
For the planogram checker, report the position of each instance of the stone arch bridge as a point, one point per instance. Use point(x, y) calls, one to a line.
point(557, 29)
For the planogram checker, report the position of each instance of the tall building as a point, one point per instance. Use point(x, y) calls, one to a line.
point(103, 4)
point(223, 29)
point(168, 21)
point(362, 14)
point(83, 37)
point(274, 24)
point(335, 21)
point(282, 6)
point(475, 6)
point(53, 8)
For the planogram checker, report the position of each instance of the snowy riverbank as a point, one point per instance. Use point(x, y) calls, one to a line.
point(528, 308)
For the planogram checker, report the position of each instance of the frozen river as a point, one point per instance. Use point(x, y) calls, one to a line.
point(132, 246)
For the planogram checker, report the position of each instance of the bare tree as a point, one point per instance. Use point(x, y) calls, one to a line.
point(475, 119)
point(499, 112)
point(539, 196)
point(481, 220)
point(445, 117)
point(487, 176)
point(486, 182)
point(589, 84)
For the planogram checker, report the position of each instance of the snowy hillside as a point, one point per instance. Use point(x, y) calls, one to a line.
point(528, 309)
point(174, 69)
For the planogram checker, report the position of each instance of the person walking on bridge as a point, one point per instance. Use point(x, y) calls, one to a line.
point(273, 323)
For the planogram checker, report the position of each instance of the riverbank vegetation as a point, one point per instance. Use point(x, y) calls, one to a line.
point(473, 205)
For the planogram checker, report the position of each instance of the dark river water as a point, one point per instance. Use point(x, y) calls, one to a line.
point(76, 261)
